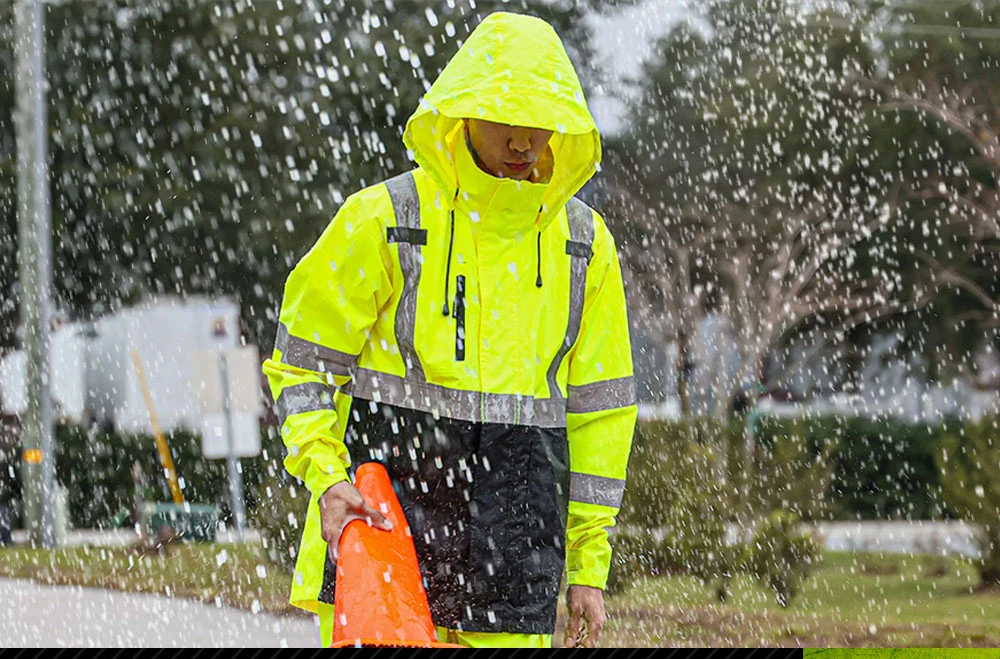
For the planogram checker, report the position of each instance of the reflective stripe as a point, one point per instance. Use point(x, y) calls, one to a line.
point(305, 397)
point(581, 230)
point(474, 406)
point(312, 356)
point(598, 490)
point(406, 206)
point(598, 396)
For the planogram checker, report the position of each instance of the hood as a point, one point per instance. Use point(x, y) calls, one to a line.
point(513, 69)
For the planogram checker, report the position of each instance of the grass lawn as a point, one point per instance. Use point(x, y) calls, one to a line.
point(231, 575)
point(851, 600)
point(877, 600)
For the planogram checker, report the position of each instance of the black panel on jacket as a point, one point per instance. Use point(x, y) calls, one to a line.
point(487, 506)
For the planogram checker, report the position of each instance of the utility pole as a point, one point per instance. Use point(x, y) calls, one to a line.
point(35, 261)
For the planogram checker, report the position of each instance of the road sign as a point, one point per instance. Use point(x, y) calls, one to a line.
point(243, 369)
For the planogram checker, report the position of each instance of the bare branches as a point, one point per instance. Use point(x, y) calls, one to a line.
point(955, 110)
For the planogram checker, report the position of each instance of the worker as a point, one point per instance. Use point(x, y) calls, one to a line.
point(464, 324)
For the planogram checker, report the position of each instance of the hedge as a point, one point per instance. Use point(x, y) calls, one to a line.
point(817, 468)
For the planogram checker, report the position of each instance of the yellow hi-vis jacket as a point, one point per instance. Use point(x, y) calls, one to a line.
point(456, 294)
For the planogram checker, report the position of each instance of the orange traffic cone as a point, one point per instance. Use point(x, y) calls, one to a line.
point(380, 599)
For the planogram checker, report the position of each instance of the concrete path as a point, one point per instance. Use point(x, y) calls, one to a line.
point(918, 537)
point(34, 615)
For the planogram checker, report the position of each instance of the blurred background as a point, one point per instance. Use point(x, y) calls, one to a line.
point(804, 195)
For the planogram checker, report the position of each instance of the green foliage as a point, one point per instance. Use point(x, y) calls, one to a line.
point(969, 459)
point(880, 468)
point(99, 470)
point(790, 470)
point(685, 483)
point(281, 504)
point(669, 465)
point(106, 472)
point(201, 146)
point(635, 556)
point(677, 483)
point(682, 491)
point(779, 556)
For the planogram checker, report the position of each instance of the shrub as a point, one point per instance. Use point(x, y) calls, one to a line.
point(779, 557)
point(792, 469)
point(281, 504)
point(99, 469)
point(634, 557)
point(969, 460)
point(886, 470)
point(677, 485)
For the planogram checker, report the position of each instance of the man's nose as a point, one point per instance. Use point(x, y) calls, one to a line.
point(520, 141)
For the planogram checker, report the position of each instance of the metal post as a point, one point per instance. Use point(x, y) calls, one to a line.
point(35, 260)
point(235, 475)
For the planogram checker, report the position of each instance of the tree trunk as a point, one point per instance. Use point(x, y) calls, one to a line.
point(684, 368)
point(989, 567)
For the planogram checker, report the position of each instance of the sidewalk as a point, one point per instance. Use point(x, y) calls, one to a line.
point(917, 537)
point(35, 615)
point(894, 537)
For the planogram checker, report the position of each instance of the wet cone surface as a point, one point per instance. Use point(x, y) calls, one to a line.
point(380, 599)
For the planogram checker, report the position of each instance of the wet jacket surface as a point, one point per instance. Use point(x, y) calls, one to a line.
point(470, 333)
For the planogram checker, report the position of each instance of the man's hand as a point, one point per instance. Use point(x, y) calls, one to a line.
point(340, 505)
point(586, 616)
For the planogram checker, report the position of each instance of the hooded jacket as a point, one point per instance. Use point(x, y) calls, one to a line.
point(471, 331)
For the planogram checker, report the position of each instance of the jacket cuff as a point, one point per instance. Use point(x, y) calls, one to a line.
point(589, 565)
point(593, 578)
point(322, 479)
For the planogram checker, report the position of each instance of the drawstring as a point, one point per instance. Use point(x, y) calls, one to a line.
point(447, 272)
point(538, 259)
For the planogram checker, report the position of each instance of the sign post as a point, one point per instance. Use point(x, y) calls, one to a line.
point(235, 473)
point(227, 388)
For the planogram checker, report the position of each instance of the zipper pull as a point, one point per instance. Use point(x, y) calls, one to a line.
point(458, 313)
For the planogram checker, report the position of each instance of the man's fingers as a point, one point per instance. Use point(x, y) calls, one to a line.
point(572, 634)
point(333, 543)
point(377, 519)
point(595, 623)
point(591, 639)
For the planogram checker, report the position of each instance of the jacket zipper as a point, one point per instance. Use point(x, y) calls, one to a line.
point(458, 313)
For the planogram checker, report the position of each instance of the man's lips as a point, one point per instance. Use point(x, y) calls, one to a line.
point(518, 166)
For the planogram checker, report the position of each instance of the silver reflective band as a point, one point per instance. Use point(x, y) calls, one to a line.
point(599, 396)
point(598, 490)
point(581, 230)
point(306, 397)
point(474, 406)
point(312, 356)
point(406, 206)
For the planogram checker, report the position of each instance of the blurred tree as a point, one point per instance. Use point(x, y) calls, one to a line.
point(743, 189)
point(943, 69)
point(8, 184)
point(201, 146)
point(774, 173)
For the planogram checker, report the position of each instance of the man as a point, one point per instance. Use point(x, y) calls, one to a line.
point(465, 325)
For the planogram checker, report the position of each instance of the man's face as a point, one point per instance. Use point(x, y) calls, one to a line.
point(507, 151)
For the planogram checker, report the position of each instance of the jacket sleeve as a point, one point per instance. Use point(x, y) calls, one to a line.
point(601, 417)
point(331, 300)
